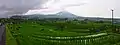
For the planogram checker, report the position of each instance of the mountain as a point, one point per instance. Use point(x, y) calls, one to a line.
point(63, 14)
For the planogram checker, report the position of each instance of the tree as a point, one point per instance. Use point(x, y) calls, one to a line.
point(91, 30)
point(66, 18)
point(75, 20)
point(85, 19)
point(100, 21)
point(84, 22)
point(61, 25)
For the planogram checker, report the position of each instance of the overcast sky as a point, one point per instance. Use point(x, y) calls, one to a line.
point(100, 8)
point(96, 8)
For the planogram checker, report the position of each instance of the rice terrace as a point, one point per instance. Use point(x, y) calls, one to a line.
point(61, 32)
point(59, 22)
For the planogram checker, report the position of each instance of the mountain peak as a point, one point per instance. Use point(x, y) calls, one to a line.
point(62, 14)
point(66, 14)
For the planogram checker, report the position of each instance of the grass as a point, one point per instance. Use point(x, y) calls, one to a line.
point(36, 34)
point(10, 40)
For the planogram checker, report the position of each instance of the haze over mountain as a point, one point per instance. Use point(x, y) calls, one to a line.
point(63, 14)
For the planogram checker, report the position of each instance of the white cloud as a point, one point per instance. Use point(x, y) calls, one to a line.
point(96, 8)
point(55, 6)
point(100, 8)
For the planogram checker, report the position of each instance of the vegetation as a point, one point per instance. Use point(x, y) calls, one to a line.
point(61, 32)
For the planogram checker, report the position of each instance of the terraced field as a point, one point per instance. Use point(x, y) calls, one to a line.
point(36, 34)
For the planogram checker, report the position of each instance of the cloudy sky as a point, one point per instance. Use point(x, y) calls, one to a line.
point(93, 8)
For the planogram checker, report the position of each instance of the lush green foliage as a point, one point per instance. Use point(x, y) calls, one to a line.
point(61, 33)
